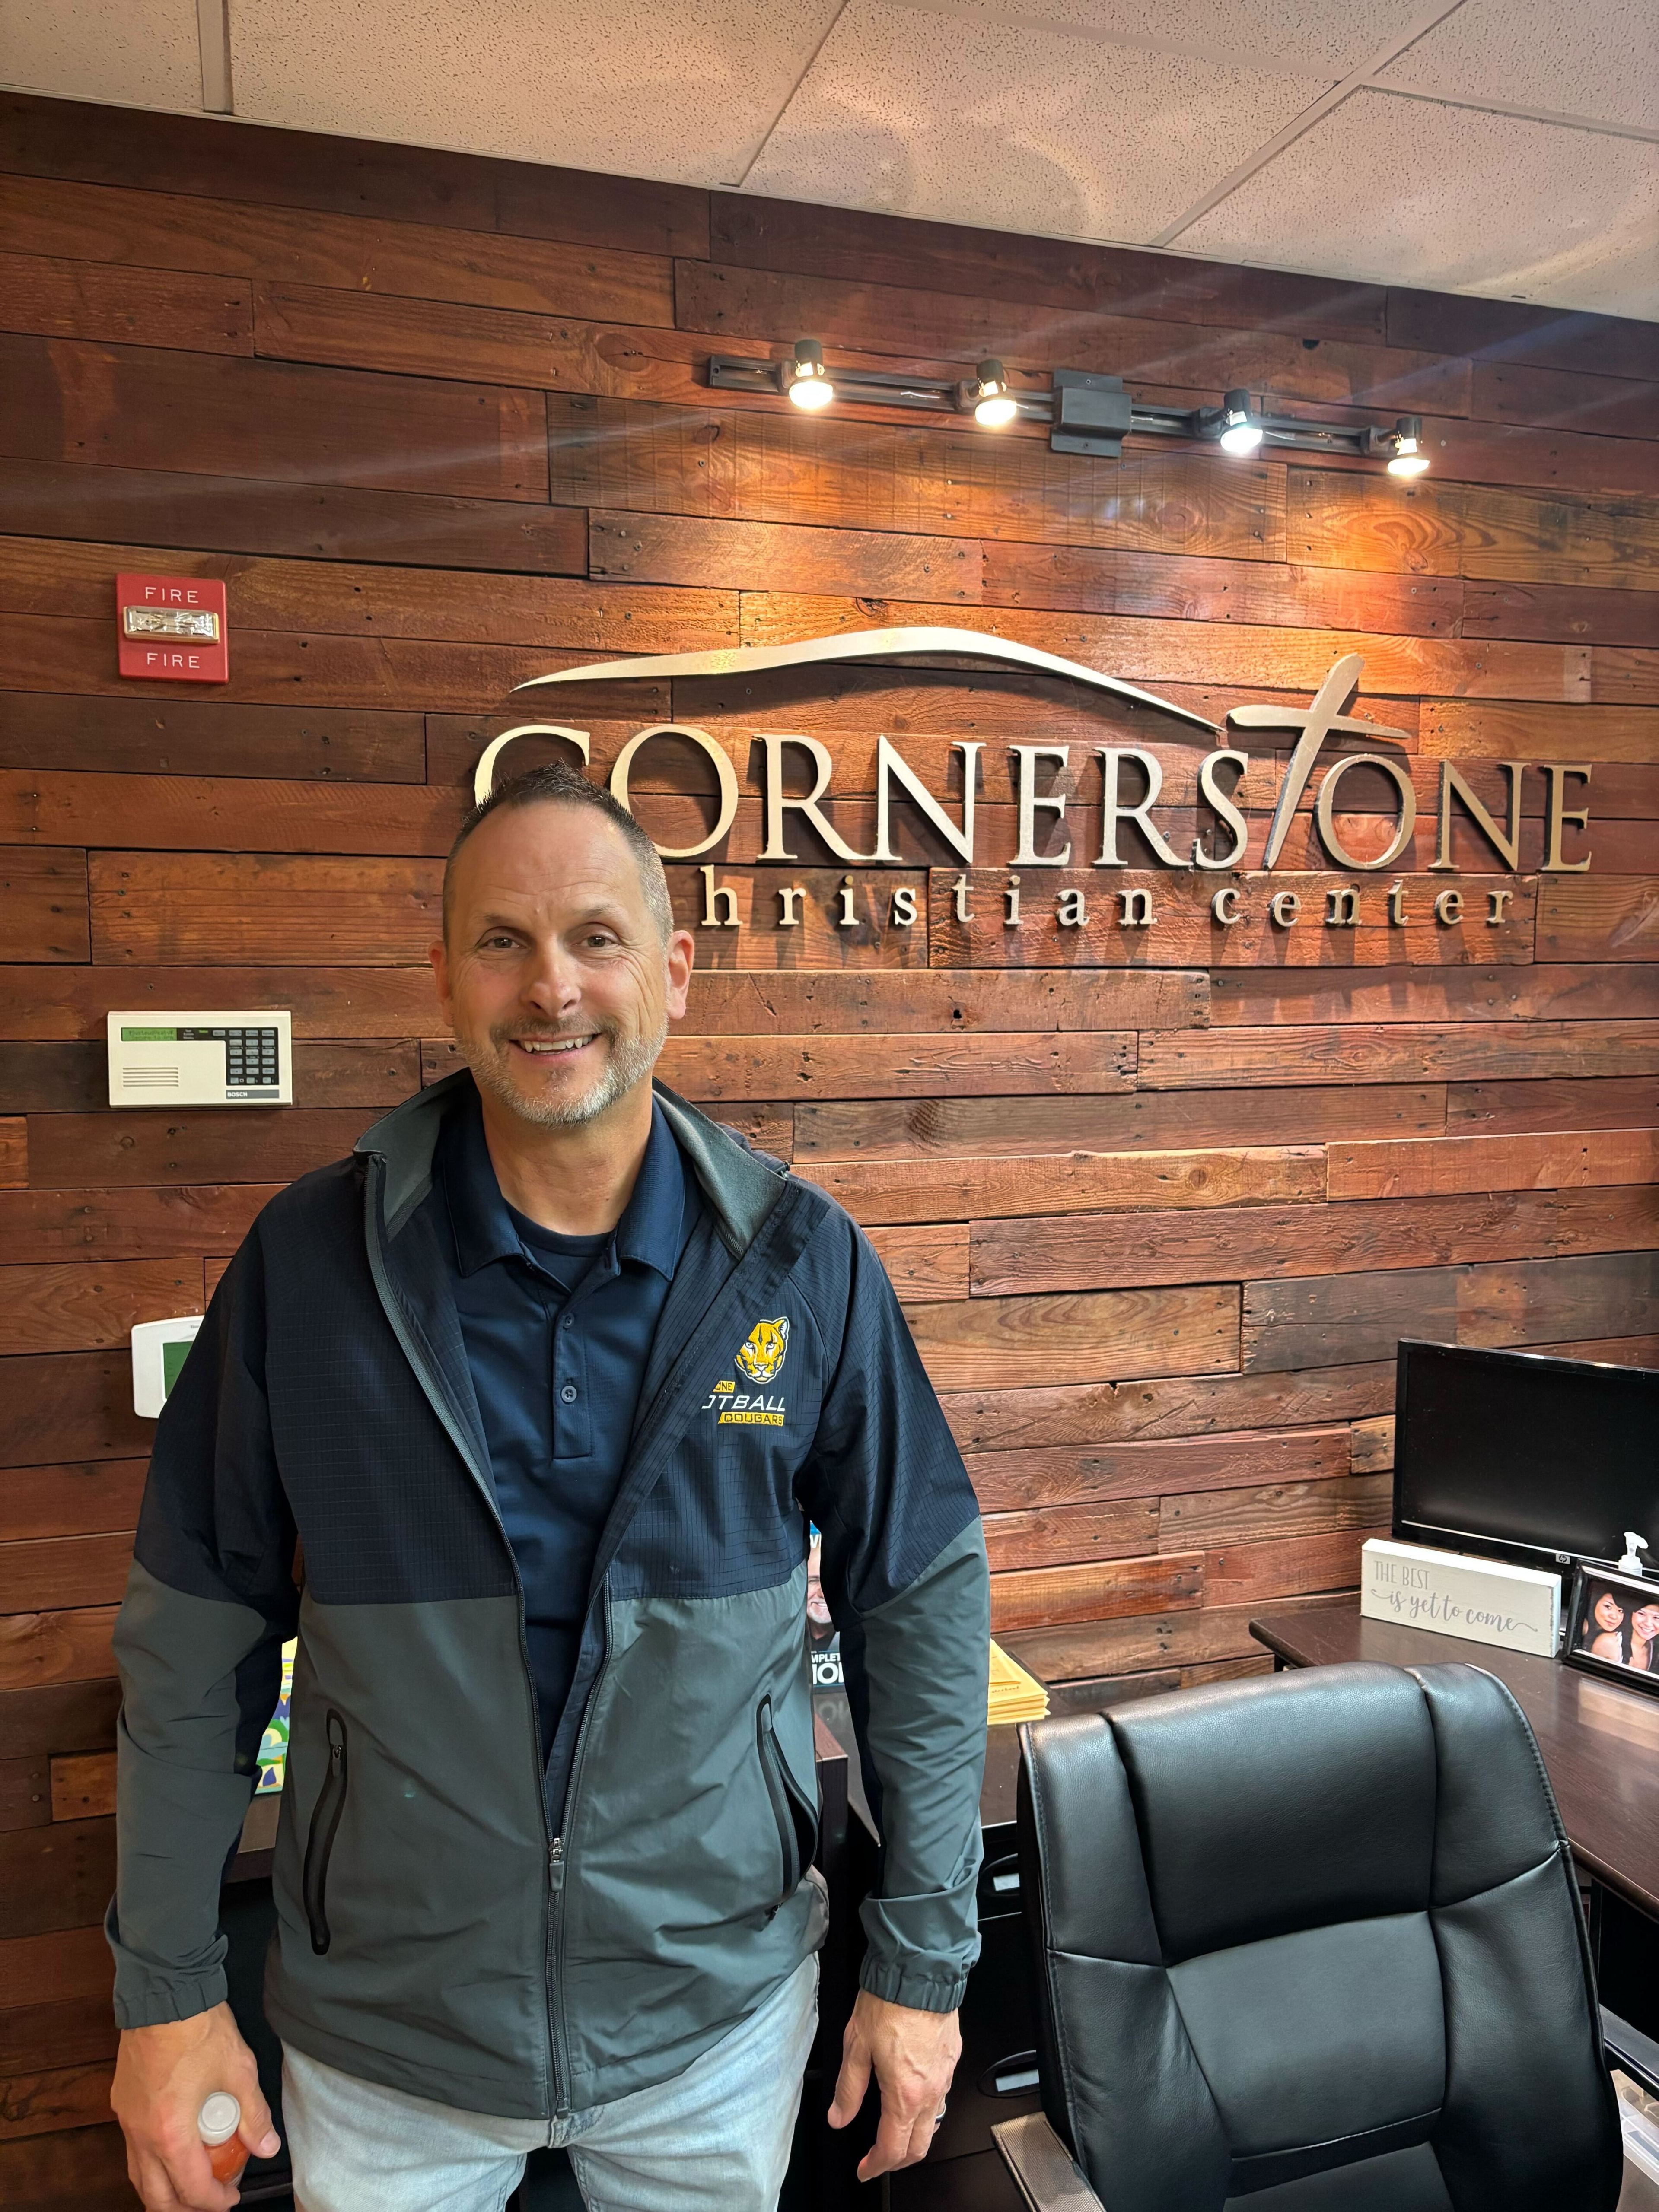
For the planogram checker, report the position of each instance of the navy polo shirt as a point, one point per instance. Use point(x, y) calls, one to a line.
point(558, 1330)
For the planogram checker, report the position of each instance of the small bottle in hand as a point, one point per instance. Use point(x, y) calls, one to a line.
point(217, 2124)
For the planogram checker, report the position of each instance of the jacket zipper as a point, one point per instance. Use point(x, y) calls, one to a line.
point(458, 1437)
point(325, 1815)
point(559, 1862)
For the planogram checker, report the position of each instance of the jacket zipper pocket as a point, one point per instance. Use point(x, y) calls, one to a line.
point(797, 1821)
point(319, 1844)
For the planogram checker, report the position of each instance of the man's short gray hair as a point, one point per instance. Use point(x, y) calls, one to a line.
point(556, 784)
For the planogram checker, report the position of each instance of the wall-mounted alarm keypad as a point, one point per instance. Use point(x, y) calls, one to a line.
point(241, 1058)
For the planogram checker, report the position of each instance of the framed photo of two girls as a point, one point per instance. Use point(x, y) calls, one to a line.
point(1612, 1626)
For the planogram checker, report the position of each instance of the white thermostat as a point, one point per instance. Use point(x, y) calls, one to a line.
point(159, 1348)
point(202, 1059)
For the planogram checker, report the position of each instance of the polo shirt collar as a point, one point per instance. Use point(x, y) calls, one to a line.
point(652, 1221)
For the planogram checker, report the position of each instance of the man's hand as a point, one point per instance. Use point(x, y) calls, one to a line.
point(163, 2076)
point(914, 2055)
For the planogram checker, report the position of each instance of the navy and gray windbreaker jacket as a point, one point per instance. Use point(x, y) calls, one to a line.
point(454, 1920)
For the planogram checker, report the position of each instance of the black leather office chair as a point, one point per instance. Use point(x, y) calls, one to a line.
point(1310, 1943)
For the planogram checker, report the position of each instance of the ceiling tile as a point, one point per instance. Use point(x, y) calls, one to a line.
point(1409, 191)
point(913, 112)
point(1598, 58)
point(680, 90)
point(141, 53)
point(1305, 38)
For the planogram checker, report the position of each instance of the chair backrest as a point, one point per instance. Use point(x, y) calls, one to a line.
point(1312, 1943)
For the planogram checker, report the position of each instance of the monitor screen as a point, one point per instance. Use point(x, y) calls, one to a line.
point(1524, 1456)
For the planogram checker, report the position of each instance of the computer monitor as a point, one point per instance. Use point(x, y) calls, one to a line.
point(1524, 1457)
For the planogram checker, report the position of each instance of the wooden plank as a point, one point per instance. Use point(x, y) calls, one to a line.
point(1598, 918)
point(1198, 1520)
point(693, 550)
point(203, 1146)
point(733, 302)
point(797, 1005)
point(1498, 1109)
point(1071, 1536)
point(85, 2167)
point(64, 1572)
point(954, 1190)
point(1152, 652)
point(125, 232)
point(1092, 581)
point(26, 1784)
point(83, 1305)
point(1532, 538)
point(1073, 1475)
point(59, 1876)
point(1361, 1316)
point(65, 653)
point(83, 1498)
point(73, 1964)
point(67, 2034)
point(287, 911)
point(1104, 1251)
point(1621, 674)
point(72, 1717)
point(203, 154)
point(1564, 399)
point(1239, 1574)
point(1416, 1167)
point(43, 904)
point(141, 407)
point(981, 1343)
point(1252, 998)
point(1603, 345)
point(1462, 729)
point(1335, 518)
point(14, 1152)
point(1157, 1121)
point(1083, 918)
point(83, 1785)
point(1046, 1597)
point(315, 522)
point(67, 2097)
point(1577, 614)
point(1390, 1051)
point(51, 731)
point(128, 1224)
point(1372, 1447)
point(79, 299)
point(625, 453)
point(181, 813)
point(37, 1649)
point(1071, 1062)
point(924, 1263)
point(1021, 1420)
point(1210, 1634)
point(69, 1406)
point(327, 1001)
point(68, 578)
point(940, 257)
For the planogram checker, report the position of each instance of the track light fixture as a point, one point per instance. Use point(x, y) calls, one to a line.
point(1408, 459)
point(1086, 413)
point(1240, 429)
point(986, 394)
point(806, 380)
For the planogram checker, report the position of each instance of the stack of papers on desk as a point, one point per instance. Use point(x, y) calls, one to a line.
point(1015, 1695)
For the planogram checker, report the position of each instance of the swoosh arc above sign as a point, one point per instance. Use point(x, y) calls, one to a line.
point(863, 645)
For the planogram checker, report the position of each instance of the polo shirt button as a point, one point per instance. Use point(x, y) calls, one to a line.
point(568, 1394)
point(568, 1322)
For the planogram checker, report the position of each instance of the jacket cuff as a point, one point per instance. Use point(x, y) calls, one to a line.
point(147, 1996)
point(915, 1986)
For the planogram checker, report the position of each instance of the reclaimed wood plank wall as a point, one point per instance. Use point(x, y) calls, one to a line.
point(1160, 1201)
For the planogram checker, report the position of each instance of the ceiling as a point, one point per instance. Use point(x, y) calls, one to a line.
point(1508, 148)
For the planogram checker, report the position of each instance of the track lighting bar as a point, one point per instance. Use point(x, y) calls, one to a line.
point(1086, 413)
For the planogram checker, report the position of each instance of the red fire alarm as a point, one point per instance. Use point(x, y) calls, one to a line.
point(172, 629)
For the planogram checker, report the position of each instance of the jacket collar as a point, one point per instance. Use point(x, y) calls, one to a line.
point(740, 1186)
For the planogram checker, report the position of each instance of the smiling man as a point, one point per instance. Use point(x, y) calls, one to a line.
point(518, 1418)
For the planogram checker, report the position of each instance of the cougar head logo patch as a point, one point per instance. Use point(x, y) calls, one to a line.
point(763, 1355)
